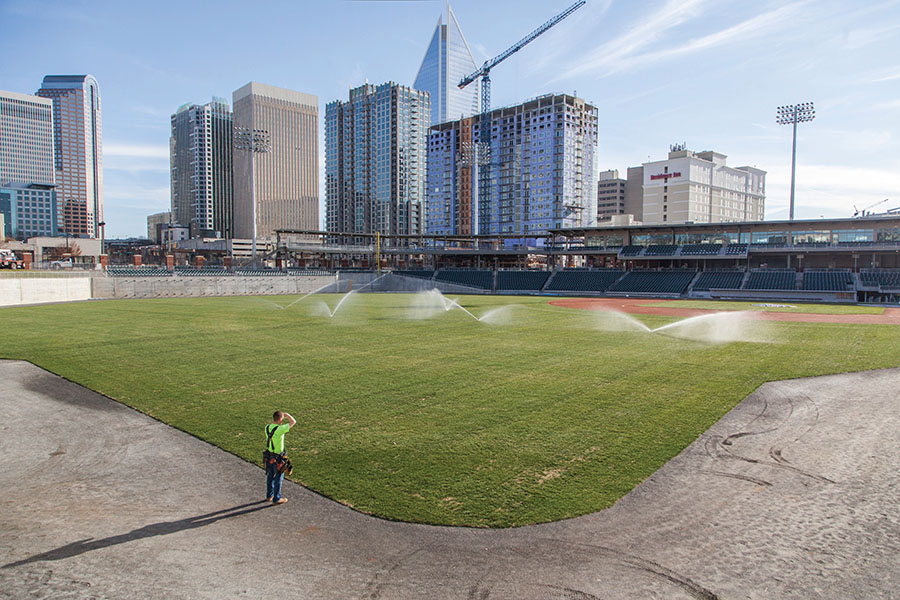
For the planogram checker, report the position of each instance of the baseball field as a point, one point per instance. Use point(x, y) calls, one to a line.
point(494, 412)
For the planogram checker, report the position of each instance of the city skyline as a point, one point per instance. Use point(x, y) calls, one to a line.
point(709, 74)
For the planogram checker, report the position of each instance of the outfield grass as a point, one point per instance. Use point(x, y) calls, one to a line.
point(446, 420)
point(790, 307)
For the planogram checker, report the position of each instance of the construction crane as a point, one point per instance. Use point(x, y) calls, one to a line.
point(479, 153)
point(863, 211)
point(485, 71)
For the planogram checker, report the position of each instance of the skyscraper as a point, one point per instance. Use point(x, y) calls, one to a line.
point(78, 150)
point(447, 60)
point(375, 152)
point(27, 199)
point(200, 151)
point(542, 173)
point(286, 178)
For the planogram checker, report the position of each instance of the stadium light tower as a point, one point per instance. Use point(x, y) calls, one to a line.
point(252, 141)
point(792, 114)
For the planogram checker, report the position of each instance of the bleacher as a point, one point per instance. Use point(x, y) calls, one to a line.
point(630, 250)
point(661, 250)
point(654, 282)
point(700, 249)
point(471, 278)
point(883, 279)
point(736, 249)
point(583, 281)
point(828, 281)
point(512, 281)
point(129, 271)
point(202, 272)
point(259, 272)
point(417, 273)
point(771, 280)
point(719, 280)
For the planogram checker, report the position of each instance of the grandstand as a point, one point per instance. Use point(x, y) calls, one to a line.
point(129, 271)
point(887, 280)
point(700, 249)
point(521, 281)
point(476, 278)
point(654, 282)
point(661, 250)
point(725, 280)
point(583, 281)
point(772, 280)
point(829, 281)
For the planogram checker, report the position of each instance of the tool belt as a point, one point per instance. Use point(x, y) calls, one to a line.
point(281, 461)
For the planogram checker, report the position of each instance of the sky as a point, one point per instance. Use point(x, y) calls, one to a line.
point(707, 73)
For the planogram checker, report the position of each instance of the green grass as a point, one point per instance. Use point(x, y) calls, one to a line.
point(446, 420)
point(791, 307)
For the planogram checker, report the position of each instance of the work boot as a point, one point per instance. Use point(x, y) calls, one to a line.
point(280, 501)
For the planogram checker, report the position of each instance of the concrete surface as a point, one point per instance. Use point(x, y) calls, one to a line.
point(174, 287)
point(38, 290)
point(794, 494)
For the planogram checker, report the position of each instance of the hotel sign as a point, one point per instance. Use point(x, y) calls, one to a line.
point(664, 176)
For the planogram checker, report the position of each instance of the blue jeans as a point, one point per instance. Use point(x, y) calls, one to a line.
point(273, 482)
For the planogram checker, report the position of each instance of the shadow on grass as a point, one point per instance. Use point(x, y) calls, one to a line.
point(156, 529)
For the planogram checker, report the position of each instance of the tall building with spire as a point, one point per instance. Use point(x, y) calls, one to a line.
point(78, 150)
point(447, 60)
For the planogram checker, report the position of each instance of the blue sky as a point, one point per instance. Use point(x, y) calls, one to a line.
point(706, 72)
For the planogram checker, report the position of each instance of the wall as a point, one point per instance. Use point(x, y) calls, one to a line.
point(174, 287)
point(37, 290)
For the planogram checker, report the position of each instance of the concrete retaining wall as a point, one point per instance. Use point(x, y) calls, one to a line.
point(175, 287)
point(392, 282)
point(38, 290)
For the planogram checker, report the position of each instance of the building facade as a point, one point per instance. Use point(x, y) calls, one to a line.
point(200, 151)
point(541, 170)
point(375, 153)
point(285, 179)
point(27, 174)
point(156, 224)
point(78, 150)
point(699, 187)
point(610, 195)
point(447, 60)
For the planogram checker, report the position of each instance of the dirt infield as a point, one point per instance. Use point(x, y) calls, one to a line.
point(639, 306)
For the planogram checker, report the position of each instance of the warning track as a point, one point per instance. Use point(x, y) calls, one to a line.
point(643, 306)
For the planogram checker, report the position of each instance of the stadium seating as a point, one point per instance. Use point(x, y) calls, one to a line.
point(661, 250)
point(721, 280)
point(733, 249)
point(583, 281)
point(521, 280)
point(128, 271)
point(301, 272)
point(883, 279)
point(631, 250)
point(828, 281)
point(202, 272)
point(771, 280)
point(654, 282)
point(700, 249)
point(418, 273)
point(472, 278)
point(259, 272)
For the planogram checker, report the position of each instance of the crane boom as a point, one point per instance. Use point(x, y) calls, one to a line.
point(490, 64)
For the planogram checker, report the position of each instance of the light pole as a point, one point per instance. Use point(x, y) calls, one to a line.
point(792, 114)
point(252, 141)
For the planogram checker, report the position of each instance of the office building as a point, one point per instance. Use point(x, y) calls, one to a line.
point(699, 187)
point(78, 150)
point(375, 153)
point(156, 225)
point(541, 171)
point(285, 179)
point(634, 192)
point(447, 60)
point(27, 174)
point(610, 195)
point(200, 151)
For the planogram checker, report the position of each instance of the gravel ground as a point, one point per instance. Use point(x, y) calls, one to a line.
point(793, 494)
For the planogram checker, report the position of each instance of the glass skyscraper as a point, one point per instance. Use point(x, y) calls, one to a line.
point(447, 60)
point(78, 150)
point(201, 166)
point(375, 156)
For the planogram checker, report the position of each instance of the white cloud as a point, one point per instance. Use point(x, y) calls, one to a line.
point(136, 150)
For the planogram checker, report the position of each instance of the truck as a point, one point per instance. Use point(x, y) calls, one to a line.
point(8, 259)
